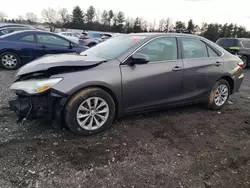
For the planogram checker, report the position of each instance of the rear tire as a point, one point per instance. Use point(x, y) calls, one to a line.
point(219, 95)
point(89, 112)
point(245, 61)
point(10, 60)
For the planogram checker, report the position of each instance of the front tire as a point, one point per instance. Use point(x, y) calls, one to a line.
point(89, 112)
point(10, 60)
point(219, 95)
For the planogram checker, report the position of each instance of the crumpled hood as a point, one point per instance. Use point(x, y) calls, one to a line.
point(63, 60)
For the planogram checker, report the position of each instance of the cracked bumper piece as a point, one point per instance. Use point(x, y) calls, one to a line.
point(21, 106)
point(42, 106)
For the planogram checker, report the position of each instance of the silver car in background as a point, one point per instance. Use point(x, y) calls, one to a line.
point(74, 37)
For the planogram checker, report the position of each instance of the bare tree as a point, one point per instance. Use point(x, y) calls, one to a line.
point(20, 17)
point(3, 16)
point(31, 17)
point(152, 26)
point(50, 16)
point(165, 25)
point(145, 25)
point(168, 27)
point(98, 17)
point(65, 18)
point(161, 25)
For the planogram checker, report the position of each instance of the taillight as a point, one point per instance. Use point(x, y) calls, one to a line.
point(241, 64)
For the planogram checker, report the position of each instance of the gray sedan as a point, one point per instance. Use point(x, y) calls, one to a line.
point(126, 74)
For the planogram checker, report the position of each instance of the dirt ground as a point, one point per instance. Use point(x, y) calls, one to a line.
point(182, 147)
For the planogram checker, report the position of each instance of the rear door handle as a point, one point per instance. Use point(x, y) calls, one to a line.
point(42, 46)
point(177, 68)
point(218, 63)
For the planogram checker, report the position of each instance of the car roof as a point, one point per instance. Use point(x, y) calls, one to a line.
point(65, 32)
point(165, 34)
point(13, 25)
point(25, 31)
point(4, 28)
point(97, 32)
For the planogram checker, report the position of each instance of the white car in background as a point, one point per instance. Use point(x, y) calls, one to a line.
point(74, 37)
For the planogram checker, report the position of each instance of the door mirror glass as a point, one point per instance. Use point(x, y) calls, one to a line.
point(139, 58)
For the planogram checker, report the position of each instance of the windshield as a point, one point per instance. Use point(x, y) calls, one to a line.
point(113, 47)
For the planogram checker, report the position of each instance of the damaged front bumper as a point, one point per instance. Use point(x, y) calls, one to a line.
point(47, 106)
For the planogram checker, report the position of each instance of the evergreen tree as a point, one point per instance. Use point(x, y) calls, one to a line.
point(77, 15)
point(120, 18)
point(180, 27)
point(90, 14)
point(191, 28)
point(137, 25)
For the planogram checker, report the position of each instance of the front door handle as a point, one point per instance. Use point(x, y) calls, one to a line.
point(218, 63)
point(177, 68)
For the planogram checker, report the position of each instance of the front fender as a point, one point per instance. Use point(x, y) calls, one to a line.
point(108, 79)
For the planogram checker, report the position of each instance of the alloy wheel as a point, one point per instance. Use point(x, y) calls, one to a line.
point(9, 61)
point(92, 113)
point(221, 95)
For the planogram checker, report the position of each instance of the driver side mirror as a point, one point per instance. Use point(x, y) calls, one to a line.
point(139, 58)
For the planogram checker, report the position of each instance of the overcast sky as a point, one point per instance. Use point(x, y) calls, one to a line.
point(221, 11)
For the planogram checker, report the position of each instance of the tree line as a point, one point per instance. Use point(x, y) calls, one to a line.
point(110, 21)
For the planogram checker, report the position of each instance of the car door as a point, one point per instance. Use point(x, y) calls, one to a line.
point(156, 83)
point(28, 50)
point(202, 68)
point(52, 44)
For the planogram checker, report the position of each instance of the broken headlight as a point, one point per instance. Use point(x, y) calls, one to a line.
point(35, 86)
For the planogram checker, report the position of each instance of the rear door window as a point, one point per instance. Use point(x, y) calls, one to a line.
point(193, 48)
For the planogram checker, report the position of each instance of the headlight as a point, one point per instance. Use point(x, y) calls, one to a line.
point(35, 86)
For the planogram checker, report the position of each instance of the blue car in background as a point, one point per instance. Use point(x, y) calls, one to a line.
point(21, 47)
